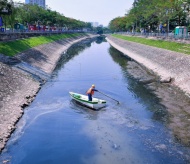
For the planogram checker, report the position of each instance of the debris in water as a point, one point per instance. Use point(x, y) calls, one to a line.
point(6, 161)
point(161, 147)
point(115, 146)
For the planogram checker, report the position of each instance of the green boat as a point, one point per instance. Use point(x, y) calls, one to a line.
point(83, 99)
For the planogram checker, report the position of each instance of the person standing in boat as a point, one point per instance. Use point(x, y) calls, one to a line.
point(90, 92)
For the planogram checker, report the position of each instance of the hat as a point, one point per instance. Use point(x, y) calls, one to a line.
point(93, 85)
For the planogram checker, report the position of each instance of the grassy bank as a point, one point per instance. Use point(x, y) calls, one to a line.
point(173, 46)
point(11, 48)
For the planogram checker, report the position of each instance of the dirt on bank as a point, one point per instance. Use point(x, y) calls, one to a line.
point(21, 78)
point(166, 74)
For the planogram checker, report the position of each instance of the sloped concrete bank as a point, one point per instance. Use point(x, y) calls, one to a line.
point(171, 67)
point(21, 78)
point(166, 74)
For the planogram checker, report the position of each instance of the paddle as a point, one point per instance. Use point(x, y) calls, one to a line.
point(108, 96)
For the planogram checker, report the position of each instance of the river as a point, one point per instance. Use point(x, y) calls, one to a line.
point(55, 129)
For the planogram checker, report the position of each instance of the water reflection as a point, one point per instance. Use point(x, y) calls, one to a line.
point(89, 113)
point(119, 57)
point(100, 39)
point(73, 51)
point(140, 91)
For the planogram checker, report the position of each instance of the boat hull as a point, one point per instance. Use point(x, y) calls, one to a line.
point(83, 99)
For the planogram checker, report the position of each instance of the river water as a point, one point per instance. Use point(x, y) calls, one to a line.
point(55, 129)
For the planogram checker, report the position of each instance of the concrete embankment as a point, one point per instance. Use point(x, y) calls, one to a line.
point(166, 74)
point(171, 67)
point(21, 78)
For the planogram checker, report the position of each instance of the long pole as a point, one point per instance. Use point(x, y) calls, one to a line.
point(108, 96)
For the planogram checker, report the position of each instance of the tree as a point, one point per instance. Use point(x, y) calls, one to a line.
point(119, 24)
point(5, 7)
point(34, 14)
point(148, 14)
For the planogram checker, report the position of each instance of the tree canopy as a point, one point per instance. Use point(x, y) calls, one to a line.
point(5, 7)
point(149, 14)
point(34, 14)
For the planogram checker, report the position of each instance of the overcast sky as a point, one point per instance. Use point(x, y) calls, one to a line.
point(101, 11)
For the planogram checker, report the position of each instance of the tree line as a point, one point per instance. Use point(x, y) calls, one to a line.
point(25, 14)
point(153, 16)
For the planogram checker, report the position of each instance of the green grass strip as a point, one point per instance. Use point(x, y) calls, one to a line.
point(173, 46)
point(12, 48)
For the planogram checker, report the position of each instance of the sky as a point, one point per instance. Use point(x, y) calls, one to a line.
point(101, 11)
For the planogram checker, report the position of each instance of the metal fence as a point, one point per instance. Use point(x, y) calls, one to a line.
point(12, 35)
point(157, 35)
point(39, 31)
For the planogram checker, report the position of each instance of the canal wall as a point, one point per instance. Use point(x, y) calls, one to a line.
point(21, 78)
point(171, 67)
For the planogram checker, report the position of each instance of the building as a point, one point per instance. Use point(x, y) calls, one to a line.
point(41, 3)
point(94, 24)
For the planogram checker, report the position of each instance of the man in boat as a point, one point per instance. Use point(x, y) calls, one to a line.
point(90, 92)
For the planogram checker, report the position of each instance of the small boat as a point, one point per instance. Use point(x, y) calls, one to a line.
point(83, 99)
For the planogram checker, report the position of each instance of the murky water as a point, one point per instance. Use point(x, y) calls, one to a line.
point(55, 129)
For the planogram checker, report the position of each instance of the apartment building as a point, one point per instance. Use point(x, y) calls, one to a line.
point(41, 3)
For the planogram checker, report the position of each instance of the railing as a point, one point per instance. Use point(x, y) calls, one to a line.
point(39, 31)
point(157, 35)
point(12, 35)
